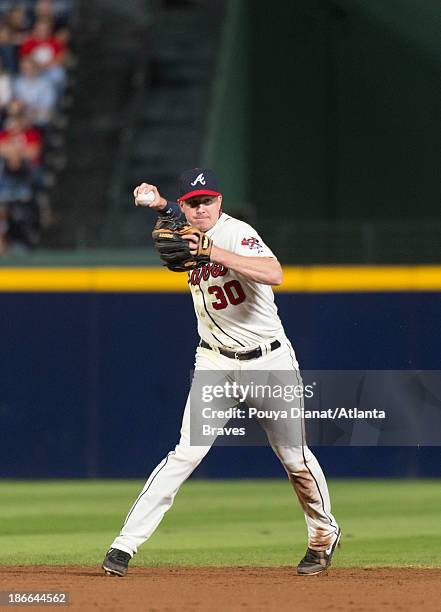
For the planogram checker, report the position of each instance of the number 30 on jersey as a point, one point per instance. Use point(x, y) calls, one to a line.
point(230, 293)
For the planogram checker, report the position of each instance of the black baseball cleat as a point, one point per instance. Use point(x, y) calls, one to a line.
point(116, 562)
point(317, 561)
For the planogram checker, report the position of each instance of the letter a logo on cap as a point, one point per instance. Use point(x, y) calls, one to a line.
point(199, 179)
point(197, 182)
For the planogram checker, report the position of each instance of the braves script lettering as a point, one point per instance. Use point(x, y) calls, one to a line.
point(212, 269)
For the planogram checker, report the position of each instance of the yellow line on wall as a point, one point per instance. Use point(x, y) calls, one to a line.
point(302, 279)
point(101, 279)
point(361, 278)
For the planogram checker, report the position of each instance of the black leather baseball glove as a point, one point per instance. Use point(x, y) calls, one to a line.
point(174, 250)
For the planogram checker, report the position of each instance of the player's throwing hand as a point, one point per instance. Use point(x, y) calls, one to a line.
point(149, 196)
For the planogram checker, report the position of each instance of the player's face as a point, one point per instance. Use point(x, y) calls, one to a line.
point(202, 211)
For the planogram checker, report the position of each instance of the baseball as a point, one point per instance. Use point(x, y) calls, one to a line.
point(146, 198)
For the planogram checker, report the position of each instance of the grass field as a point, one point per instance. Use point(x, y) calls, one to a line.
point(384, 523)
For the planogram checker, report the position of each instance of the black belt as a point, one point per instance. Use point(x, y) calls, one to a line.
point(243, 355)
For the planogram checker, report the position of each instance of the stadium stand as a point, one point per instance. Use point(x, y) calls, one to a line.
point(36, 65)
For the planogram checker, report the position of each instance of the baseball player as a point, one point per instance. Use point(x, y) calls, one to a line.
point(240, 331)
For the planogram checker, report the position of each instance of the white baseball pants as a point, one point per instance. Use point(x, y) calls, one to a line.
point(302, 468)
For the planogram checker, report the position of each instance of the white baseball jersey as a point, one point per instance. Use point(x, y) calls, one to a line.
point(233, 311)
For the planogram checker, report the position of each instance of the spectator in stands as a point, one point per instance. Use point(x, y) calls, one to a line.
point(8, 51)
point(15, 181)
point(17, 20)
point(36, 91)
point(20, 144)
point(46, 9)
point(51, 11)
point(5, 91)
point(20, 160)
point(47, 51)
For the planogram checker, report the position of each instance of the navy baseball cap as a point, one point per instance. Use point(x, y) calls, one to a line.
point(197, 182)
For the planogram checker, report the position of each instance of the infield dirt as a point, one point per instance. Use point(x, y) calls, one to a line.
point(231, 588)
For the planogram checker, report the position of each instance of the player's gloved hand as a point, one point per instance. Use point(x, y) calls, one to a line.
point(181, 246)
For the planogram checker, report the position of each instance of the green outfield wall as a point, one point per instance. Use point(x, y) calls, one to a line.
point(331, 109)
